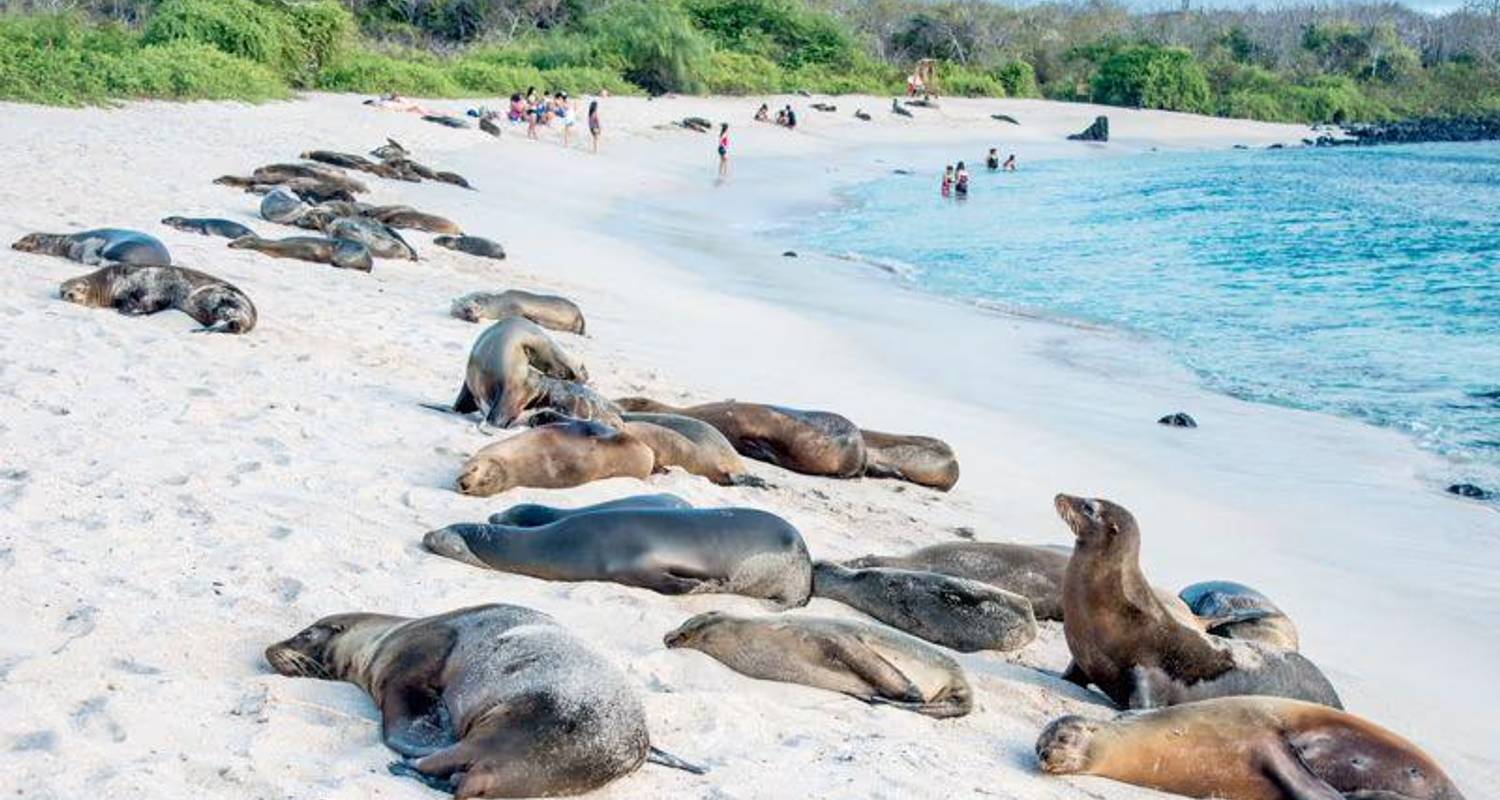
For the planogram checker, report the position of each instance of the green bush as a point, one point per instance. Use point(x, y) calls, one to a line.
point(741, 74)
point(653, 44)
point(1331, 99)
point(295, 40)
point(785, 31)
point(371, 73)
point(1019, 79)
point(1253, 105)
point(953, 79)
point(1148, 76)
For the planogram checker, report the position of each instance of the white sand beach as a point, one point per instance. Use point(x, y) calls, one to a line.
point(171, 503)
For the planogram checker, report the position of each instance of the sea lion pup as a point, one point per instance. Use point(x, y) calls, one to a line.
point(382, 240)
point(740, 551)
point(453, 178)
point(135, 289)
point(98, 246)
point(1247, 748)
point(1237, 611)
point(922, 460)
point(693, 445)
point(810, 442)
point(531, 515)
point(1034, 572)
point(556, 456)
point(208, 226)
point(961, 614)
point(506, 371)
point(473, 245)
point(282, 207)
point(546, 310)
point(406, 217)
point(872, 663)
point(340, 253)
point(489, 701)
point(1126, 642)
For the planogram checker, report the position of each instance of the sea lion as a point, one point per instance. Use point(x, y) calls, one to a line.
point(340, 253)
point(286, 173)
point(546, 310)
point(1126, 642)
point(98, 246)
point(872, 663)
point(382, 240)
point(556, 456)
point(1034, 572)
point(345, 160)
point(1247, 748)
point(487, 124)
point(453, 178)
point(445, 120)
point(1237, 611)
point(531, 515)
point(507, 369)
point(208, 226)
point(693, 445)
point(961, 614)
point(136, 289)
point(309, 190)
point(282, 207)
point(810, 442)
point(489, 701)
point(391, 149)
point(922, 460)
point(405, 217)
point(669, 550)
point(473, 245)
point(559, 400)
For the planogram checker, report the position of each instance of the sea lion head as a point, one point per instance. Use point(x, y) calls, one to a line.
point(1063, 747)
point(466, 308)
point(1096, 522)
point(446, 241)
point(180, 223)
point(483, 477)
point(247, 242)
point(696, 632)
point(333, 648)
point(31, 242)
point(81, 290)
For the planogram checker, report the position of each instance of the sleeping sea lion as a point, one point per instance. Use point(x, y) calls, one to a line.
point(136, 289)
point(473, 245)
point(546, 310)
point(341, 253)
point(922, 460)
point(282, 207)
point(1034, 572)
point(1236, 611)
point(961, 614)
point(693, 445)
point(286, 173)
point(208, 226)
point(98, 246)
point(405, 217)
point(382, 240)
point(556, 456)
point(810, 442)
point(531, 515)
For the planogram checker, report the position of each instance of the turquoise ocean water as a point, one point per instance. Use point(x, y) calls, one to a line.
point(1359, 282)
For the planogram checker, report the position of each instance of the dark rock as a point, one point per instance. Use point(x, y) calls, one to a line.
point(1276, 146)
point(1241, 147)
point(789, 254)
point(861, 115)
point(1471, 491)
point(1468, 128)
point(1178, 420)
point(1097, 132)
point(1005, 118)
point(827, 107)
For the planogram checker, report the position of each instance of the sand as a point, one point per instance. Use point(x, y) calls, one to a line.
point(171, 503)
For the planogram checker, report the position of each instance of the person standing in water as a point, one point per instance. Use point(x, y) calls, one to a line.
point(992, 161)
point(723, 150)
point(1010, 163)
point(961, 180)
point(594, 127)
point(948, 181)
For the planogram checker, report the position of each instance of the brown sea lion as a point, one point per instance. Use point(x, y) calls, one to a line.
point(391, 149)
point(1237, 611)
point(508, 370)
point(473, 245)
point(98, 246)
point(489, 701)
point(405, 217)
point(556, 456)
point(873, 663)
point(286, 173)
point(1247, 748)
point(958, 613)
point(546, 310)
point(693, 445)
point(341, 253)
point(922, 460)
point(135, 289)
point(1124, 639)
point(810, 442)
point(382, 240)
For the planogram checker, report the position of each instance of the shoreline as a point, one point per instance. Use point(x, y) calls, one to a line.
point(220, 509)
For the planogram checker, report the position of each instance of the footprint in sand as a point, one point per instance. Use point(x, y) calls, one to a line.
point(92, 720)
point(76, 625)
point(44, 741)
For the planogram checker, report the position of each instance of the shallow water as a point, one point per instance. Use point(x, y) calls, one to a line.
point(1360, 282)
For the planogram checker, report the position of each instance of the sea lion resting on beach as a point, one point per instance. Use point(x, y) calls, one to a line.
point(810, 442)
point(964, 615)
point(870, 662)
point(693, 445)
point(208, 226)
point(1034, 572)
point(473, 245)
point(309, 190)
point(1247, 748)
point(556, 456)
point(546, 310)
point(282, 207)
point(98, 246)
point(287, 173)
point(532, 515)
point(1125, 640)
point(669, 550)
point(489, 701)
point(407, 217)
point(1236, 611)
point(340, 253)
point(922, 460)
point(382, 240)
point(508, 371)
point(144, 289)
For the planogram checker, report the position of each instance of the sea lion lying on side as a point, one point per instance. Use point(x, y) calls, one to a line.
point(340, 253)
point(532, 515)
point(693, 445)
point(546, 310)
point(208, 226)
point(922, 460)
point(1236, 611)
point(556, 456)
point(810, 442)
point(961, 614)
point(98, 246)
point(135, 289)
point(406, 217)
point(382, 240)
point(1034, 572)
point(473, 245)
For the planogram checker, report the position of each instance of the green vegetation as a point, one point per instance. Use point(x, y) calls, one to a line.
point(1324, 63)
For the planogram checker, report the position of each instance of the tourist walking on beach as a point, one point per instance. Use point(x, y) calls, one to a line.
point(961, 180)
point(723, 150)
point(594, 127)
point(948, 181)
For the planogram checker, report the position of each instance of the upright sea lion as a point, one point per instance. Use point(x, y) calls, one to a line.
point(1236, 611)
point(341, 253)
point(556, 456)
point(546, 310)
point(282, 207)
point(810, 442)
point(693, 445)
point(532, 515)
point(391, 149)
point(922, 460)
point(870, 662)
point(490, 701)
point(382, 240)
point(1247, 748)
point(965, 615)
point(1033, 572)
point(208, 227)
point(1126, 641)
point(98, 246)
point(134, 289)
point(506, 368)
point(404, 217)
point(669, 550)
point(473, 245)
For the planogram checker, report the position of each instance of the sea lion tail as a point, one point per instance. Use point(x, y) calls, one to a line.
point(662, 757)
point(406, 769)
point(746, 479)
point(438, 407)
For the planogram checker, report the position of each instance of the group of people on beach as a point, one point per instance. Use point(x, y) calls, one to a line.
point(956, 178)
point(785, 116)
point(539, 110)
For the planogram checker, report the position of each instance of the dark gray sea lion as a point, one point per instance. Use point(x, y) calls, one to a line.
point(862, 115)
point(308, 190)
point(98, 246)
point(558, 400)
point(922, 460)
point(490, 701)
point(964, 615)
point(382, 240)
point(208, 226)
point(872, 663)
point(453, 178)
point(341, 253)
point(487, 124)
point(1125, 640)
point(810, 442)
point(405, 217)
point(673, 551)
point(1178, 420)
point(1247, 748)
point(546, 310)
point(1098, 131)
point(898, 110)
point(445, 120)
point(140, 289)
point(391, 149)
point(1033, 572)
point(556, 456)
point(282, 207)
point(1237, 611)
point(506, 367)
point(344, 160)
point(531, 515)
point(693, 445)
point(473, 245)
point(286, 173)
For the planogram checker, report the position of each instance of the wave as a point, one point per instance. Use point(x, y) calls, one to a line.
point(890, 266)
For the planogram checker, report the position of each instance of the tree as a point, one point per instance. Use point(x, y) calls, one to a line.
point(1148, 76)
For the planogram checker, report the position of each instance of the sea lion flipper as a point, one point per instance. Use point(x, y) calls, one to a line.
point(465, 403)
point(1285, 769)
point(658, 756)
point(1074, 674)
point(414, 718)
point(889, 683)
point(405, 769)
